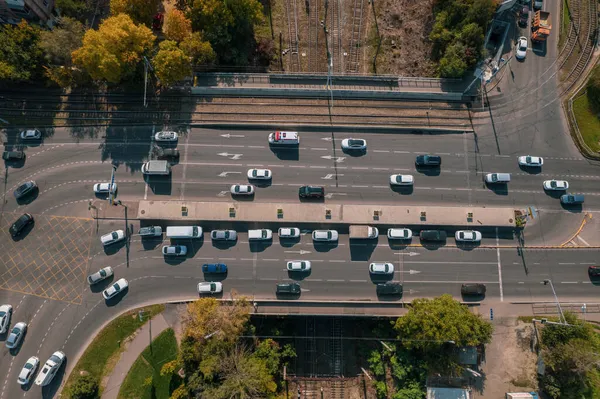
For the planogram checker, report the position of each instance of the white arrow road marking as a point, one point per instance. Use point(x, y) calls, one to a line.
point(410, 271)
point(329, 176)
point(301, 252)
point(411, 291)
point(230, 156)
point(326, 138)
point(228, 135)
point(336, 159)
point(222, 193)
point(407, 253)
point(330, 195)
point(224, 174)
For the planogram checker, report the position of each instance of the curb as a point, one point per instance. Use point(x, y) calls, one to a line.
point(583, 223)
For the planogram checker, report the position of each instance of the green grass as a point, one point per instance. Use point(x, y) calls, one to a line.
point(564, 26)
point(100, 357)
point(588, 122)
point(147, 368)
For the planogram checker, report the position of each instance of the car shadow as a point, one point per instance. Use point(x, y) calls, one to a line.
point(556, 194)
point(215, 277)
point(218, 295)
point(497, 188)
point(289, 242)
point(259, 245)
point(150, 243)
point(29, 198)
point(381, 278)
point(299, 275)
point(389, 297)
point(399, 245)
point(361, 250)
point(223, 244)
point(261, 183)
point(354, 153)
point(25, 232)
point(472, 298)
point(432, 246)
point(467, 246)
point(114, 248)
point(289, 153)
point(402, 190)
point(595, 280)
point(114, 301)
point(428, 170)
point(242, 198)
point(288, 297)
point(312, 200)
point(532, 170)
point(324, 246)
point(50, 390)
point(102, 285)
point(577, 208)
point(15, 164)
point(192, 245)
point(159, 185)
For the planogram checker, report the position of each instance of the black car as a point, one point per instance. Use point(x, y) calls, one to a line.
point(524, 16)
point(13, 155)
point(18, 226)
point(428, 160)
point(288, 289)
point(594, 271)
point(24, 189)
point(473, 289)
point(433, 235)
point(166, 153)
point(311, 192)
point(389, 289)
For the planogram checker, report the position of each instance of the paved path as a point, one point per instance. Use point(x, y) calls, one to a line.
point(158, 324)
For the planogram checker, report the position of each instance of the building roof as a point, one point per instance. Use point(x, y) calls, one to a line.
point(448, 393)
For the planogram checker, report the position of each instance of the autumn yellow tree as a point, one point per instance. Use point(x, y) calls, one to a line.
point(171, 64)
point(198, 49)
point(176, 27)
point(113, 51)
point(140, 11)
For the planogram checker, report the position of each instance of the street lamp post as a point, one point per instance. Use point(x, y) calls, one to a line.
point(560, 312)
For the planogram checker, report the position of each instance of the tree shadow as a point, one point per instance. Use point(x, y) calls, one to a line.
point(361, 250)
point(260, 245)
point(285, 153)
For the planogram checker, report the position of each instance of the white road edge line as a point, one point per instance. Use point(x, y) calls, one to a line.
point(499, 266)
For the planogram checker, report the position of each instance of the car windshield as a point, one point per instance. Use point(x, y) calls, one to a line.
point(114, 235)
point(2, 313)
point(329, 234)
point(494, 177)
point(528, 159)
point(28, 366)
point(523, 46)
point(213, 286)
point(116, 287)
point(177, 249)
point(102, 273)
point(55, 358)
point(354, 142)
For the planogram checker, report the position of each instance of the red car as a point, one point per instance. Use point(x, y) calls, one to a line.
point(157, 21)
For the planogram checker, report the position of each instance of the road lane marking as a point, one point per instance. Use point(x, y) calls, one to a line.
point(450, 263)
point(569, 282)
point(499, 266)
point(567, 263)
point(358, 281)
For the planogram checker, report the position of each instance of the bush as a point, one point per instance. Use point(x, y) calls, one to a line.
point(84, 387)
point(593, 90)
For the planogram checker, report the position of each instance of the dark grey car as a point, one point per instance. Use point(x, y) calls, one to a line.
point(25, 189)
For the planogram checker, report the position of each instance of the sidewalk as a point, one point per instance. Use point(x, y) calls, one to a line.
point(133, 350)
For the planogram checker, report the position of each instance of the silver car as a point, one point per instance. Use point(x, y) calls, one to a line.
point(259, 174)
point(5, 315)
point(354, 144)
point(31, 134)
point(115, 289)
point(223, 235)
point(556, 185)
point(112, 237)
point(174, 250)
point(166, 136)
point(298, 265)
point(467, 236)
point(100, 275)
point(28, 370)
point(399, 234)
point(242, 189)
point(528, 160)
point(381, 268)
point(50, 368)
point(325, 235)
point(289, 232)
point(16, 335)
point(210, 288)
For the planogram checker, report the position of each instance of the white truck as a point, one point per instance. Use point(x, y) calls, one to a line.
point(363, 232)
point(522, 395)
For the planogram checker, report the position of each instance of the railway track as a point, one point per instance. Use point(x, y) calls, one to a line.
point(335, 35)
point(353, 63)
point(292, 22)
point(313, 36)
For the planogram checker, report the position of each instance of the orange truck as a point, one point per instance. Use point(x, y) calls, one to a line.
point(540, 26)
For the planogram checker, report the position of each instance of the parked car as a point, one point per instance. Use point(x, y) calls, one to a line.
point(165, 153)
point(428, 160)
point(524, 16)
point(20, 224)
point(150, 231)
point(556, 185)
point(50, 368)
point(174, 250)
point(28, 370)
point(521, 48)
point(259, 174)
point(325, 235)
point(467, 236)
point(105, 188)
point(166, 136)
point(572, 199)
point(16, 335)
point(472, 289)
point(311, 192)
point(210, 288)
point(354, 144)
point(100, 275)
point(288, 289)
point(115, 289)
point(289, 232)
point(381, 268)
point(112, 237)
point(5, 315)
point(433, 235)
point(399, 234)
point(242, 189)
point(389, 288)
point(531, 161)
point(298, 265)
point(401, 180)
point(24, 189)
point(214, 268)
point(13, 155)
point(30, 134)
point(223, 235)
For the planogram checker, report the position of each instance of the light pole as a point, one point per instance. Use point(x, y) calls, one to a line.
point(560, 312)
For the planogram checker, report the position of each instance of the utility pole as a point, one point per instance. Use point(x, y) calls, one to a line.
point(146, 67)
point(560, 312)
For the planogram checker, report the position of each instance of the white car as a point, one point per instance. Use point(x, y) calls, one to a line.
point(467, 236)
point(381, 268)
point(174, 250)
point(115, 289)
point(521, 48)
point(28, 370)
point(298, 265)
point(50, 368)
point(354, 144)
point(528, 160)
point(166, 136)
point(242, 189)
point(112, 237)
point(223, 235)
point(259, 174)
point(402, 180)
point(210, 288)
point(556, 185)
point(325, 235)
point(399, 234)
point(289, 232)
point(100, 275)
point(16, 335)
point(31, 134)
point(105, 188)
point(5, 315)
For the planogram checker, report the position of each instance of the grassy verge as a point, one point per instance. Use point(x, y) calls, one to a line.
point(144, 380)
point(102, 354)
point(588, 122)
point(564, 25)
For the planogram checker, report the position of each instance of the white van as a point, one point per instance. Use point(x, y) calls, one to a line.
point(260, 234)
point(156, 168)
point(497, 178)
point(184, 232)
point(286, 138)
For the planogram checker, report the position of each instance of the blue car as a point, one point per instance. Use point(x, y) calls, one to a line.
point(214, 268)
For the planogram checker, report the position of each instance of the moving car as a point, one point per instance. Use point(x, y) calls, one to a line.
point(20, 224)
point(214, 268)
point(50, 368)
point(242, 189)
point(298, 265)
point(389, 288)
point(288, 289)
point(572, 199)
point(210, 288)
point(311, 192)
point(174, 250)
point(432, 235)
point(13, 155)
point(521, 48)
point(166, 136)
point(289, 232)
point(399, 234)
point(259, 174)
point(31, 134)
point(531, 161)
point(223, 235)
point(5, 315)
point(401, 180)
point(16, 335)
point(115, 289)
point(28, 370)
point(165, 153)
point(594, 271)
point(24, 189)
point(428, 160)
point(100, 275)
point(556, 185)
point(381, 268)
point(467, 236)
point(150, 231)
point(105, 188)
point(472, 289)
point(325, 235)
point(497, 178)
point(112, 237)
point(354, 144)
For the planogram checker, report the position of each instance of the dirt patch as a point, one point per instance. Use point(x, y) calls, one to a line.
point(404, 26)
point(510, 361)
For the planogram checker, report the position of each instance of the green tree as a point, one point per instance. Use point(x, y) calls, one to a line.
point(78, 9)
point(171, 64)
point(176, 27)
point(410, 391)
point(431, 323)
point(593, 89)
point(556, 334)
point(454, 63)
point(199, 50)
point(60, 42)
point(471, 36)
point(481, 12)
point(113, 52)
point(83, 387)
point(140, 11)
point(20, 53)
